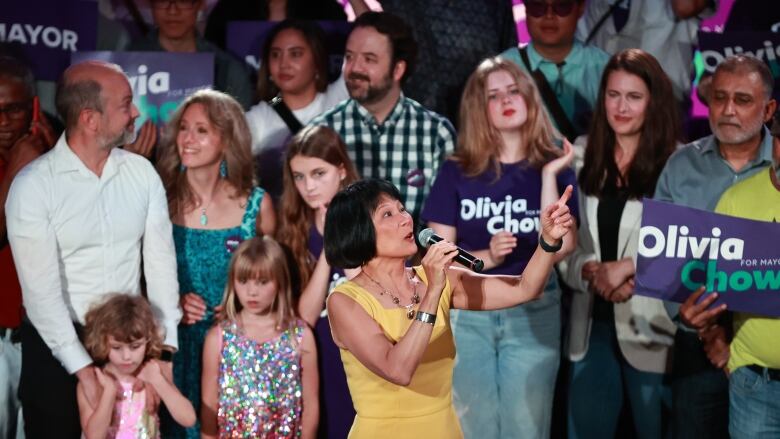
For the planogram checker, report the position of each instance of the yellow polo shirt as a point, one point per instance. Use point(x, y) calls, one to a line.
point(755, 337)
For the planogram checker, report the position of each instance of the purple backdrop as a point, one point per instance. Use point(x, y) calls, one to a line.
point(46, 32)
point(160, 80)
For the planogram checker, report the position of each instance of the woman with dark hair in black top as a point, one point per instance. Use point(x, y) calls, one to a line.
point(619, 343)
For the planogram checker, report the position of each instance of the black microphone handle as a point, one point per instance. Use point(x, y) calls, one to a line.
point(463, 258)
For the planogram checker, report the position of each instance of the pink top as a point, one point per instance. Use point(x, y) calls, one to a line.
point(132, 419)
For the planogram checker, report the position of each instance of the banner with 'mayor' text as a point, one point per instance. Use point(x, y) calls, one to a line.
point(45, 32)
point(682, 248)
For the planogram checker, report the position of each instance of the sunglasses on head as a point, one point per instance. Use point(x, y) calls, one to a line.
point(538, 9)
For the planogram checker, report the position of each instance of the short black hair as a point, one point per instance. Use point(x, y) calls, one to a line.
point(14, 69)
point(402, 42)
point(350, 237)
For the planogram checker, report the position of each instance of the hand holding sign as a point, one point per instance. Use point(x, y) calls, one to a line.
point(696, 315)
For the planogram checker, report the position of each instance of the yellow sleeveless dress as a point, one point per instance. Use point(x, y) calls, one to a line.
point(423, 409)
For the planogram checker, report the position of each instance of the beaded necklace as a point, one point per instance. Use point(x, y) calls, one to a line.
point(410, 307)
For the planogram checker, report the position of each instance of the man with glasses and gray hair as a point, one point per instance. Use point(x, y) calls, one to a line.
point(697, 175)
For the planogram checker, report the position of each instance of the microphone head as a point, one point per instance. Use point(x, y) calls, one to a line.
point(424, 237)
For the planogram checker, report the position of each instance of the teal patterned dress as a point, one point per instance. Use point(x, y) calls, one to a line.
point(202, 258)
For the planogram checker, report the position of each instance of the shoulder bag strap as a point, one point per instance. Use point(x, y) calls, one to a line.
point(550, 101)
point(286, 114)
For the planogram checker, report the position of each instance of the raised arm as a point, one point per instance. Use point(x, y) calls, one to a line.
point(550, 193)
point(313, 296)
point(354, 330)
point(484, 292)
point(95, 421)
point(178, 406)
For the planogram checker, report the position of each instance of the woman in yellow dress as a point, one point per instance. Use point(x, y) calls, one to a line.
point(391, 322)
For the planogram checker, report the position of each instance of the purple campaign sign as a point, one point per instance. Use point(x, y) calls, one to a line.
point(681, 248)
point(245, 39)
point(715, 47)
point(765, 46)
point(46, 32)
point(160, 80)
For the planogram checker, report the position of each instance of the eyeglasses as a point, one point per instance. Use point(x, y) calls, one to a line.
point(15, 111)
point(180, 4)
point(539, 9)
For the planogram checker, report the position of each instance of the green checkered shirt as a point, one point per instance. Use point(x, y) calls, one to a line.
point(406, 149)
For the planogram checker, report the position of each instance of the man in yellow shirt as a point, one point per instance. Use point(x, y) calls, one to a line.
point(753, 357)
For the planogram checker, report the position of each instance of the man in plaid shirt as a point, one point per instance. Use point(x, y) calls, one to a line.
point(388, 135)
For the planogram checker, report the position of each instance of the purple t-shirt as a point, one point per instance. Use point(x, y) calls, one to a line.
point(336, 411)
point(479, 207)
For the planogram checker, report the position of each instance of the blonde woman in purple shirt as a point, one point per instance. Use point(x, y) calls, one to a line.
point(487, 199)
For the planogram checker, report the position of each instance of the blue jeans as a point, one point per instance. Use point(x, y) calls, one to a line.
point(505, 368)
point(754, 405)
point(597, 386)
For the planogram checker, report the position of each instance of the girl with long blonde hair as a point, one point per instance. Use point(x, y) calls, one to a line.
point(487, 199)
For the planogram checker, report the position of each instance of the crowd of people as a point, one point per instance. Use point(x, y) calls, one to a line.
point(251, 268)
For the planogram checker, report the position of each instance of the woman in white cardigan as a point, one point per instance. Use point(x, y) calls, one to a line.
point(619, 343)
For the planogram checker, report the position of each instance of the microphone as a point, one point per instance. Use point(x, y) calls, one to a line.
point(428, 237)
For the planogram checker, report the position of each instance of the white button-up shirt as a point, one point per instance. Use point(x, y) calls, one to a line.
point(76, 236)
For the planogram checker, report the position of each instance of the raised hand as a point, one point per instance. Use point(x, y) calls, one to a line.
point(436, 262)
point(501, 244)
point(107, 382)
point(556, 220)
point(554, 167)
point(150, 372)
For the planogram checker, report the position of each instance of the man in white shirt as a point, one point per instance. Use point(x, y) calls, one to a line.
point(80, 219)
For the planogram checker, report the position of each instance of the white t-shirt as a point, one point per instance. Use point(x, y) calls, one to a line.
point(269, 130)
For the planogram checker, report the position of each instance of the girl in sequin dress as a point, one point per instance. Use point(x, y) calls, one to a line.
point(260, 361)
point(123, 339)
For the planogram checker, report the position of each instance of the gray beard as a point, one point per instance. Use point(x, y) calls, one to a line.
point(121, 140)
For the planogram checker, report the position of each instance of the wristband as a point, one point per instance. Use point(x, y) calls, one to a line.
point(426, 317)
point(550, 248)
